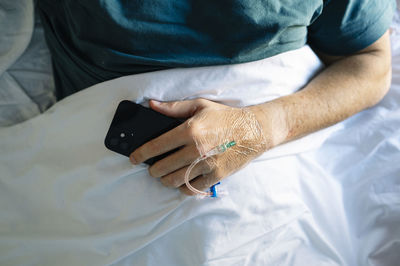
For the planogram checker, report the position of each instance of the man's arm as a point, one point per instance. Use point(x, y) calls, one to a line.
point(348, 85)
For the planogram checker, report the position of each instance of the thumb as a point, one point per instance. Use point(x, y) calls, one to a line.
point(178, 109)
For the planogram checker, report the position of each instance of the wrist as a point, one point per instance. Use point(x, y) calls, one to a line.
point(272, 118)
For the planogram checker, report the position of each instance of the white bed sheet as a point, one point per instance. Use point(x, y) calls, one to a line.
point(331, 198)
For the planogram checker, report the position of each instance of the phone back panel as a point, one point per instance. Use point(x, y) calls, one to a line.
point(134, 125)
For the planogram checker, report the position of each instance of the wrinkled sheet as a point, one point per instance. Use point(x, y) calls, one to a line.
point(331, 198)
point(26, 81)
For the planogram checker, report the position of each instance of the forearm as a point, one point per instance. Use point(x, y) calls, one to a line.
point(346, 87)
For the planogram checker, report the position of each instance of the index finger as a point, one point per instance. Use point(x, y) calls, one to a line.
point(170, 140)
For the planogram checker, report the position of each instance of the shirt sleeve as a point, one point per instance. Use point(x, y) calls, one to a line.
point(347, 26)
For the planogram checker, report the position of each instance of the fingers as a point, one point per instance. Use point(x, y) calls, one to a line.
point(201, 183)
point(170, 140)
point(175, 161)
point(203, 124)
point(174, 138)
point(177, 178)
point(180, 109)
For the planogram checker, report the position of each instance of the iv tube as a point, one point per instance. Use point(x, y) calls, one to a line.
point(217, 150)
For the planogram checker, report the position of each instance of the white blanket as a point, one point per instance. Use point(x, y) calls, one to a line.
point(328, 199)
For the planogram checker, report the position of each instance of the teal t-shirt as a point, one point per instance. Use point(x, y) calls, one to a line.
point(96, 40)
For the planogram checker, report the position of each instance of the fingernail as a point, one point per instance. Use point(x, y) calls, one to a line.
point(156, 102)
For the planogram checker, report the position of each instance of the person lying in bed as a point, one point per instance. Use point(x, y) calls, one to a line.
point(92, 41)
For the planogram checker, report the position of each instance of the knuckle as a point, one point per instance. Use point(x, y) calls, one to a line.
point(218, 174)
point(211, 179)
point(205, 181)
point(205, 166)
point(193, 129)
point(202, 102)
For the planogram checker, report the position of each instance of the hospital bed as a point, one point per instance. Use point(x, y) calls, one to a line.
point(331, 198)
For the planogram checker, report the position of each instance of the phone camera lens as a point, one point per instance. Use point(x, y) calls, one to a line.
point(114, 141)
point(124, 145)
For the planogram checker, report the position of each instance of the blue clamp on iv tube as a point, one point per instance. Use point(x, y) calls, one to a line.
point(213, 190)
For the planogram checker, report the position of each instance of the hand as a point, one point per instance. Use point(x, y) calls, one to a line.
point(209, 125)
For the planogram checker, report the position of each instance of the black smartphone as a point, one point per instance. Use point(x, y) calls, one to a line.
point(134, 125)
